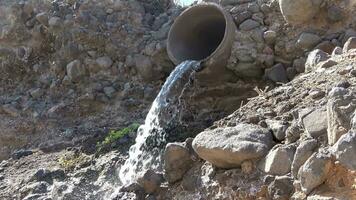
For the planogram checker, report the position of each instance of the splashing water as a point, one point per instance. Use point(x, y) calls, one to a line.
point(165, 112)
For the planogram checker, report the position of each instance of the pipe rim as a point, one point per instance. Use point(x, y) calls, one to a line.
point(191, 9)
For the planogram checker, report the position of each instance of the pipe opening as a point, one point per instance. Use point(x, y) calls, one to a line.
point(196, 34)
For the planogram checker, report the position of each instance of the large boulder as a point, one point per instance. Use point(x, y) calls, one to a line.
point(315, 123)
point(229, 147)
point(345, 150)
point(299, 11)
point(177, 161)
point(75, 71)
point(314, 172)
point(340, 108)
point(304, 151)
point(279, 160)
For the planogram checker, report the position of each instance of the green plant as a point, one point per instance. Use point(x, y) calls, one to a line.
point(115, 135)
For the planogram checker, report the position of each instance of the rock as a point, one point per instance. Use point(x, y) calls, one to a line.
point(54, 22)
point(278, 128)
point(337, 92)
point(150, 181)
point(104, 62)
point(277, 73)
point(229, 147)
point(246, 70)
point(247, 167)
point(317, 94)
point(316, 123)
point(348, 34)
point(291, 73)
point(326, 46)
point(42, 18)
point(36, 93)
point(253, 7)
point(307, 41)
point(270, 36)
point(340, 109)
point(249, 24)
point(10, 109)
point(335, 13)
point(337, 51)
point(144, 67)
point(350, 44)
point(315, 57)
point(279, 160)
point(242, 16)
point(21, 153)
point(304, 151)
point(298, 12)
point(38, 187)
point(345, 150)
point(314, 172)
point(177, 161)
point(326, 64)
point(109, 91)
point(299, 65)
point(75, 71)
point(42, 175)
point(281, 188)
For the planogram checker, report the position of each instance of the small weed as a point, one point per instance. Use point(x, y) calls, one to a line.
point(115, 135)
point(70, 160)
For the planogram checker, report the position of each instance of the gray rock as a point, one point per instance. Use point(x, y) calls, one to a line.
point(36, 93)
point(299, 64)
point(270, 36)
point(316, 123)
point(279, 160)
point(242, 16)
point(253, 7)
point(298, 12)
point(307, 41)
point(277, 73)
point(144, 67)
point(177, 161)
point(337, 91)
point(345, 150)
point(150, 181)
point(350, 44)
point(109, 91)
point(314, 58)
point(42, 18)
point(281, 188)
point(75, 71)
point(291, 73)
point(248, 25)
point(278, 128)
point(303, 152)
point(104, 62)
point(229, 147)
point(21, 153)
point(314, 172)
point(54, 22)
point(348, 34)
point(335, 13)
point(339, 114)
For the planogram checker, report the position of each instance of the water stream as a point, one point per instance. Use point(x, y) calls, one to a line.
point(165, 112)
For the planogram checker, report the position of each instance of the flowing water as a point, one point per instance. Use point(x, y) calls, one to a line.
point(165, 111)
